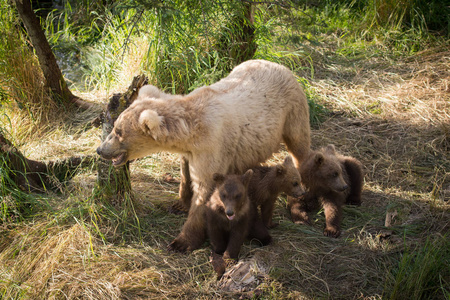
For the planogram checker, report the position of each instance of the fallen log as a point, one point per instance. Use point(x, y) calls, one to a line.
point(37, 176)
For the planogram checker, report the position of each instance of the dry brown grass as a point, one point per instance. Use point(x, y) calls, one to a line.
point(394, 118)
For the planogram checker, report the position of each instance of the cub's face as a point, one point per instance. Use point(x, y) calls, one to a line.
point(133, 135)
point(232, 194)
point(330, 175)
point(291, 179)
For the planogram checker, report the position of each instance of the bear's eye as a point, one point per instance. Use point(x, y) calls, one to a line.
point(118, 132)
point(295, 183)
point(335, 174)
point(238, 196)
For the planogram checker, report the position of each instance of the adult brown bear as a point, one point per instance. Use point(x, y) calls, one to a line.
point(227, 127)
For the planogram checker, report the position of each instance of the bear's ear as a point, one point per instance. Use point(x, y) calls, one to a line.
point(149, 91)
point(318, 159)
point(247, 176)
point(288, 161)
point(330, 149)
point(281, 170)
point(218, 178)
point(150, 122)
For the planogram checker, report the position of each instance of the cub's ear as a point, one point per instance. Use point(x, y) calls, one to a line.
point(330, 149)
point(247, 177)
point(281, 169)
point(288, 161)
point(149, 91)
point(218, 178)
point(150, 122)
point(318, 159)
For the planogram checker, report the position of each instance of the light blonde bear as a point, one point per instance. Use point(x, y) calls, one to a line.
point(227, 127)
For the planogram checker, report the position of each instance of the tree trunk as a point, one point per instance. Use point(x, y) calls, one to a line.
point(246, 36)
point(238, 39)
point(36, 176)
point(116, 181)
point(52, 73)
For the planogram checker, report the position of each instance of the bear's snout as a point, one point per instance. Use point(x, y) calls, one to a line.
point(229, 212)
point(299, 194)
point(99, 152)
point(343, 188)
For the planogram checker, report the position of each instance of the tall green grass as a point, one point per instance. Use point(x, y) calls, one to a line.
point(15, 203)
point(422, 272)
point(371, 28)
point(22, 88)
point(405, 26)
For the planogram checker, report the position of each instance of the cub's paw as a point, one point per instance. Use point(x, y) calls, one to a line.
point(353, 201)
point(178, 209)
point(272, 225)
point(302, 221)
point(218, 263)
point(331, 232)
point(179, 245)
point(299, 216)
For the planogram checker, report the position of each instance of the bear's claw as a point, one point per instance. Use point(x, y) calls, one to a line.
point(331, 232)
point(178, 209)
point(177, 246)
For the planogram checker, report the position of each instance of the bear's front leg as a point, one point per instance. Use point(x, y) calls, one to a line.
point(237, 237)
point(218, 237)
point(333, 215)
point(267, 209)
point(299, 209)
point(193, 233)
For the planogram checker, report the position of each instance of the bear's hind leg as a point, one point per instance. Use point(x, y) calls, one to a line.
point(193, 233)
point(356, 177)
point(185, 192)
point(298, 148)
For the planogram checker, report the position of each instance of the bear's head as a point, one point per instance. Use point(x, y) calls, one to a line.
point(326, 170)
point(288, 177)
point(137, 133)
point(232, 192)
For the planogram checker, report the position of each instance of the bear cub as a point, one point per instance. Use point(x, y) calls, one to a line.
point(269, 181)
point(332, 180)
point(231, 218)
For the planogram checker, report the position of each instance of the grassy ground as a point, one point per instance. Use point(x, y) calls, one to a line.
point(390, 111)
